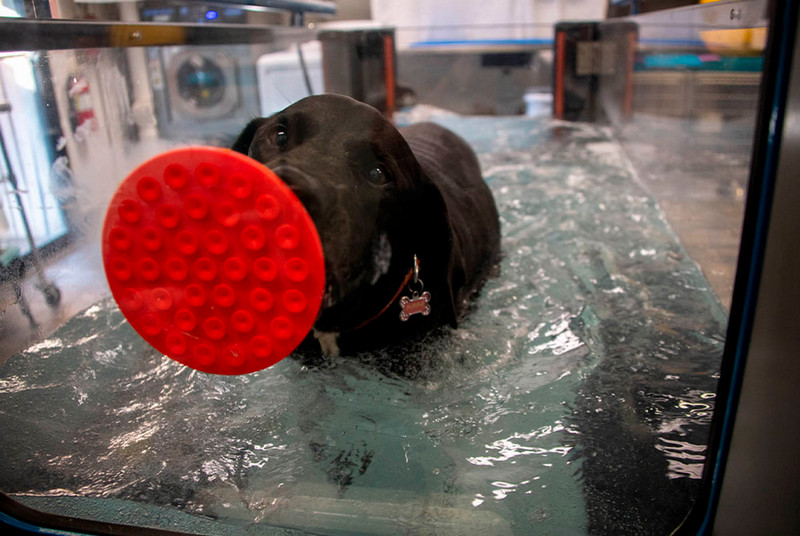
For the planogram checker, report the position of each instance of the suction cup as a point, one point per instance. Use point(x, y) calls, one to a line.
point(213, 260)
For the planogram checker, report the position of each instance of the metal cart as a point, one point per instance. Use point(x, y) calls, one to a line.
point(14, 266)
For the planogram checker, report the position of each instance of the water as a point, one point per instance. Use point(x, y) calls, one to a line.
point(575, 398)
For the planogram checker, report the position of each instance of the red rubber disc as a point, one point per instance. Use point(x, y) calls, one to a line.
point(213, 260)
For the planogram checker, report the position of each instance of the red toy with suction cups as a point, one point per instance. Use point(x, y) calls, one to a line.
point(213, 260)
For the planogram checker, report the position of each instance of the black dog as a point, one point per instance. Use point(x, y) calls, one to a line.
point(384, 202)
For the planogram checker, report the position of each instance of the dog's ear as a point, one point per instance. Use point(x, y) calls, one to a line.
point(245, 139)
point(434, 249)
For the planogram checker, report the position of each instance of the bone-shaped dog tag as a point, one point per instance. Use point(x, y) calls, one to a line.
point(415, 305)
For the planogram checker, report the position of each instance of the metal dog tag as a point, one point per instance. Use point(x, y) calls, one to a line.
point(419, 302)
point(414, 305)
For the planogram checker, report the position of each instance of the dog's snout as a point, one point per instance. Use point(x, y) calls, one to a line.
point(310, 200)
point(306, 187)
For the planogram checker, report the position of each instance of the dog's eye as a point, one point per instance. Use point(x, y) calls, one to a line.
point(280, 137)
point(377, 175)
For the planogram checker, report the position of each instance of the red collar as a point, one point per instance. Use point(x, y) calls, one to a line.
point(407, 278)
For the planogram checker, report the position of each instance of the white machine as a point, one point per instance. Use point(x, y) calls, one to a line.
point(282, 80)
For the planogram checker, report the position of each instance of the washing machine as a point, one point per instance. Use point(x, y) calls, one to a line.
point(204, 94)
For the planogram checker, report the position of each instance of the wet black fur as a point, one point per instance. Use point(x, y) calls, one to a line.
point(428, 199)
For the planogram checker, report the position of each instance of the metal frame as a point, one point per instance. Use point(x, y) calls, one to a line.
point(323, 7)
point(714, 15)
point(298, 9)
point(24, 35)
point(756, 469)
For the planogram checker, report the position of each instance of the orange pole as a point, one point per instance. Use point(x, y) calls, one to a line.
point(628, 97)
point(558, 79)
point(388, 62)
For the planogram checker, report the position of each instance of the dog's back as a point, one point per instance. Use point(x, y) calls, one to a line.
point(452, 165)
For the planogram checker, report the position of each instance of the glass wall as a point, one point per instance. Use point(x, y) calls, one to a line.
point(575, 393)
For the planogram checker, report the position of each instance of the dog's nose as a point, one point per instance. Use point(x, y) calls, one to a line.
point(306, 187)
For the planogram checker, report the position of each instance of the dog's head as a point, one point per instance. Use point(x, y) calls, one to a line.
point(372, 204)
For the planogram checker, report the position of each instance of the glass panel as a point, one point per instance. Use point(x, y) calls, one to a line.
point(30, 201)
point(574, 396)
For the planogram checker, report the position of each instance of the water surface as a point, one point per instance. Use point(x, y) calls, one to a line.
point(575, 398)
